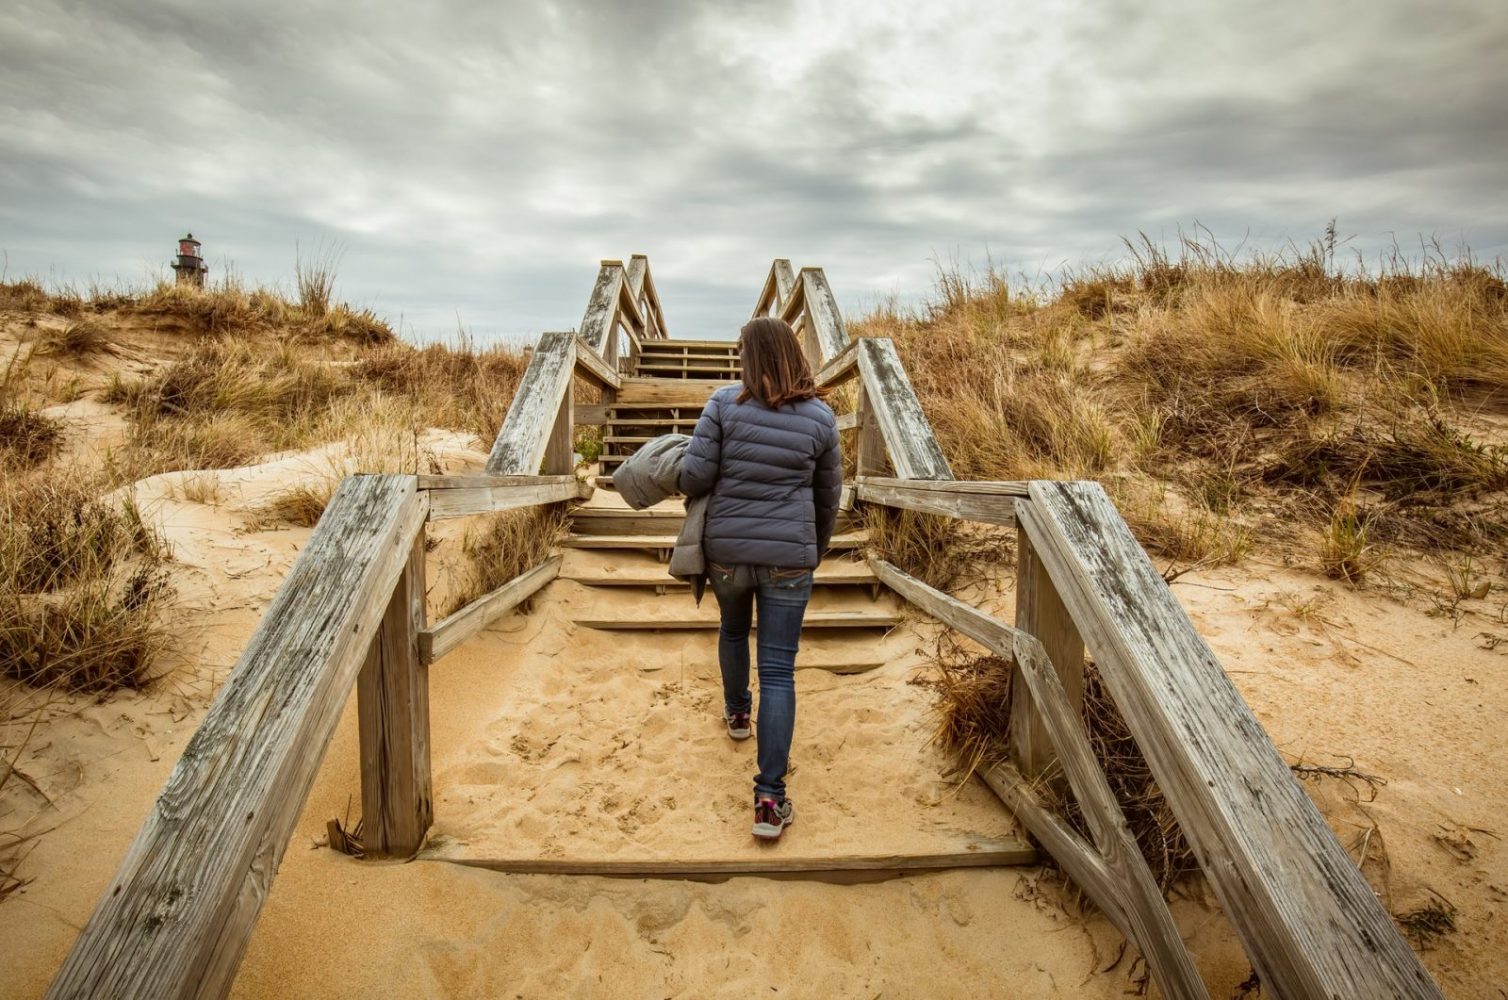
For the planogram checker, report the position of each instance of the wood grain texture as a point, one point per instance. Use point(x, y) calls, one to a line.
point(848, 421)
point(392, 699)
point(918, 494)
point(451, 631)
point(870, 458)
point(823, 314)
point(1311, 925)
point(1041, 612)
point(1152, 928)
point(984, 487)
point(909, 440)
point(602, 311)
point(460, 502)
point(595, 367)
point(525, 434)
point(1125, 882)
point(469, 481)
point(775, 865)
point(841, 368)
point(776, 289)
point(175, 919)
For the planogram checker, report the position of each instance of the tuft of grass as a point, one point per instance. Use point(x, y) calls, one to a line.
point(1346, 549)
point(939, 551)
point(315, 277)
point(79, 340)
point(502, 546)
point(82, 587)
point(301, 505)
point(27, 438)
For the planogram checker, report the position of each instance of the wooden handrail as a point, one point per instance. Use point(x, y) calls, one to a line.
point(455, 629)
point(538, 409)
point(777, 288)
point(175, 918)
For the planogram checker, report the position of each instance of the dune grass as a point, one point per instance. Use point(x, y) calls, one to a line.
point(1230, 402)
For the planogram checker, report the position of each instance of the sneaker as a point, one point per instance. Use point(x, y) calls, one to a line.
point(771, 817)
point(738, 725)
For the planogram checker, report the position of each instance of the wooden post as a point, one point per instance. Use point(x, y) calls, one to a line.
point(392, 704)
point(1041, 612)
point(560, 453)
point(870, 458)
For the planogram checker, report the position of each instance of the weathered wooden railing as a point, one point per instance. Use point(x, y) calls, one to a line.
point(176, 917)
point(1309, 922)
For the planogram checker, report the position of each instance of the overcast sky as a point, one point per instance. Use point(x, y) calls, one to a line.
point(476, 159)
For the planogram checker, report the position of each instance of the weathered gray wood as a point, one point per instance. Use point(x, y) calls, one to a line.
point(448, 503)
point(1134, 894)
point(918, 494)
point(471, 481)
point(520, 445)
point(870, 459)
point(848, 421)
point(602, 310)
point(823, 314)
point(1040, 612)
point(1311, 925)
point(595, 367)
point(776, 289)
point(591, 414)
point(793, 304)
point(844, 366)
point(772, 865)
point(175, 919)
point(1074, 855)
point(392, 698)
point(909, 440)
point(1152, 928)
point(560, 449)
point(845, 498)
point(452, 631)
point(983, 487)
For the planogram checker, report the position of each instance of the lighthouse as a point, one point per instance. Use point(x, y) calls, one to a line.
point(190, 266)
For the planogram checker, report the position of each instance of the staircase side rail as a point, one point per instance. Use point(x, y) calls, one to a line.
point(539, 418)
point(1131, 893)
point(175, 918)
point(777, 288)
point(641, 283)
point(888, 397)
point(1309, 921)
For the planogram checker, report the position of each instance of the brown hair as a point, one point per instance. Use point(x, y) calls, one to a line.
point(775, 372)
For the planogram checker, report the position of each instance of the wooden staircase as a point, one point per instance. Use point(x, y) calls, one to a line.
point(669, 382)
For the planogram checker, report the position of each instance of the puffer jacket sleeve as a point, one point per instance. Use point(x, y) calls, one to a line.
point(699, 467)
point(827, 486)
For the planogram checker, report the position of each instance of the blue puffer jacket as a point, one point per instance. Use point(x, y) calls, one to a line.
point(774, 476)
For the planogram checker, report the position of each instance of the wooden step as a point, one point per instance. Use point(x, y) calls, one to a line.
point(677, 343)
point(846, 869)
point(655, 521)
point(813, 619)
point(675, 393)
point(833, 573)
point(660, 356)
point(845, 540)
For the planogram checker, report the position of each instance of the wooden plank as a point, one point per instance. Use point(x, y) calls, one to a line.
point(832, 573)
point(813, 620)
point(457, 628)
point(771, 865)
point(987, 487)
point(1077, 858)
point(869, 445)
point(1041, 612)
point(792, 304)
point(842, 367)
point(520, 445)
point(845, 498)
point(490, 499)
point(989, 508)
point(591, 414)
point(592, 365)
point(1152, 929)
point(602, 310)
point(848, 421)
point(823, 314)
point(776, 289)
point(684, 393)
point(560, 448)
point(1311, 925)
point(1150, 925)
point(840, 541)
point(470, 481)
point(392, 698)
point(175, 918)
point(638, 267)
point(909, 440)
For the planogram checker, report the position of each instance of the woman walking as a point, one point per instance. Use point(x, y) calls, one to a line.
point(766, 450)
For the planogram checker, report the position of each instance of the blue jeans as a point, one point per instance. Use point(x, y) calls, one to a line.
point(782, 595)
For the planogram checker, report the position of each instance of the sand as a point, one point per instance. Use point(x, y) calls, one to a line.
point(551, 740)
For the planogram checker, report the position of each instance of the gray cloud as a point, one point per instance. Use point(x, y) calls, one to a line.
point(476, 159)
